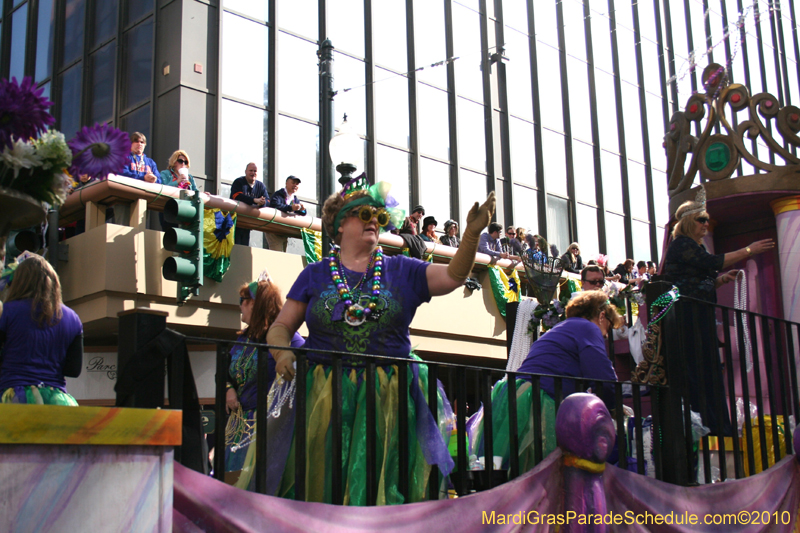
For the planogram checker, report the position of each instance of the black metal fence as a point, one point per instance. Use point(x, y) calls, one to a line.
point(467, 387)
point(715, 355)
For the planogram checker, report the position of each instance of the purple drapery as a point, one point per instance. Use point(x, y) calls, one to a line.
point(774, 492)
point(202, 503)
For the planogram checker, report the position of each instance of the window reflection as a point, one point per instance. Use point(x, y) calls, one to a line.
point(434, 131)
point(138, 120)
point(391, 108)
point(548, 65)
point(601, 42)
point(393, 166)
point(612, 181)
point(258, 9)
point(518, 72)
point(650, 64)
point(19, 29)
point(389, 36)
point(299, 16)
point(641, 240)
point(429, 41)
point(471, 135)
point(244, 59)
point(69, 113)
point(523, 155)
point(138, 63)
point(298, 153)
point(558, 222)
point(73, 31)
point(138, 9)
point(472, 188)
point(615, 240)
point(102, 64)
point(606, 110)
point(105, 21)
point(555, 173)
point(574, 30)
point(583, 167)
point(626, 45)
point(544, 18)
point(434, 189)
point(633, 121)
point(587, 232)
point(346, 25)
point(637, 189)
point(660, 197)
point(579, 109)
point(515, 15)
point(242, 139)
point(298, 76)
point(526, 208)
point(44, 40)
point(467, 47)
point(349, 74)
point(656, 131)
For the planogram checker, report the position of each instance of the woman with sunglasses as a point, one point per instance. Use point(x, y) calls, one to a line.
point(260, 302)
point(572, 259)
point(697, 274)
point(177, 172)
point(358, 300)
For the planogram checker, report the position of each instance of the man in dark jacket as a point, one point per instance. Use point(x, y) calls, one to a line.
point(285, 200)
point(250, 191)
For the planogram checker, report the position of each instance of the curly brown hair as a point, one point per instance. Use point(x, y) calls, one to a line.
point(331, 208)
point(36, 279)
point(266, 307)
point(590, 304)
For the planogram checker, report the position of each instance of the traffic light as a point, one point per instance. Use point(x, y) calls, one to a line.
point(186, 242)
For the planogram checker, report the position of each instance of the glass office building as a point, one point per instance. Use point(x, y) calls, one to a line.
point(560, 106)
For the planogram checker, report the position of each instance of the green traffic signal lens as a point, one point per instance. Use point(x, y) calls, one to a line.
point(179, 211)
point(178, 269)
point(179, 240)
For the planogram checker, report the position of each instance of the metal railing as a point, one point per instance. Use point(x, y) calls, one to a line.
point(703, 372)
point(463, 384)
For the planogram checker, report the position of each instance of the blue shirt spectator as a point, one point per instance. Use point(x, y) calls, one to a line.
point(489, 243)
point(247, 189)
point(286, 199)
point(139, 166)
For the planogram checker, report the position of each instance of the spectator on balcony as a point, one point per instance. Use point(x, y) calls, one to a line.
point(510, 244)
point(537, 248)
point(641, 270)
point(139, 166)
point(450, 237)
point(592, 278)
point(260, 302)
point(411, 223)
point(575, 347)
point(429, 230)
point(625, 271)
point(42, 337)
point(362, 301)
point(285, 200)
point(177, 173)
point(523, 244)
point(651, 269)
point(572, 259)
point(696, 274)
point(250, 191)
point(489, 242)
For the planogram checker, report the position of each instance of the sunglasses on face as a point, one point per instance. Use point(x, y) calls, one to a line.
point(366, 213)
point(243, 299)
point(182, 161)
point(593, 281)
point(702, 220)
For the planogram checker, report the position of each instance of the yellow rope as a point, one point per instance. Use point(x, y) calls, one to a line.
point(584, 464)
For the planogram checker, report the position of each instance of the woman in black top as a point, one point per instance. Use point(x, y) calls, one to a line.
point(696, 273)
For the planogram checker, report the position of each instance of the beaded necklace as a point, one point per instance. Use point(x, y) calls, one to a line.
point(354, 313)
point(665, 302)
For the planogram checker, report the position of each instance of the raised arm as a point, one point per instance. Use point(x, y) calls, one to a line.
point(280, 334)
point(756, 248)
point(445, 279)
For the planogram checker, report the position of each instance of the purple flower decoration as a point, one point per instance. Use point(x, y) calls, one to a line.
point(99, 151)
point(23, 111)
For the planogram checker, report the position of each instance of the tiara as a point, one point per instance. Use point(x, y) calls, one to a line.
point(700, 199)
point(356, 184)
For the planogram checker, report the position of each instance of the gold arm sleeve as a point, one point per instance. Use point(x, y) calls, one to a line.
point(477, 219)
point(279, 335)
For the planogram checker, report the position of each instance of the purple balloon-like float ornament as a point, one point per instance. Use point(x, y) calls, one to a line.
point(585, 433)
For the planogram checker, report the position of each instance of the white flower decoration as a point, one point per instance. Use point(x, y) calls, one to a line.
point(22, 155)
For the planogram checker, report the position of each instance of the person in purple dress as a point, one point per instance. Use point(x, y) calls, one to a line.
point(41, 338)
point(260, 302)
point(358, 300)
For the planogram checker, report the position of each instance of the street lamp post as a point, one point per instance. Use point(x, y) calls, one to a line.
point(347, 151)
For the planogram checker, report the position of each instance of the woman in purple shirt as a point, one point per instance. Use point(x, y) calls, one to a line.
point(42, 338)
point(574, 348)
point(358, 300)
